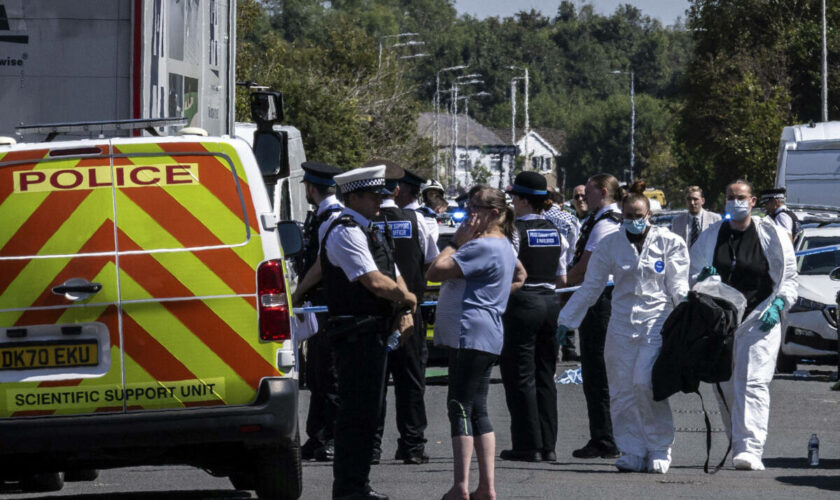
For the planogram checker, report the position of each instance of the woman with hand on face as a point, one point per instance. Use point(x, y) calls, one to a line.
point(477, 271)
point(649, 266)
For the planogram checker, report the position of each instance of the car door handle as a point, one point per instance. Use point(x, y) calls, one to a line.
point(89, 288)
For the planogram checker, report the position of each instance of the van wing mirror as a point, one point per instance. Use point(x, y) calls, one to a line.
point(266, 108)
point(834, 275)
point(291, 238)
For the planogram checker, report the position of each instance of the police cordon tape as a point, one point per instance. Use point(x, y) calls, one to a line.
point(431, 303)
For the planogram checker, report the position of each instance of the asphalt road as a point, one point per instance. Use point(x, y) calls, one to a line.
point(800, 406)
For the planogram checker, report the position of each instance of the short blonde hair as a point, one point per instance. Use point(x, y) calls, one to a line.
point(693, 189)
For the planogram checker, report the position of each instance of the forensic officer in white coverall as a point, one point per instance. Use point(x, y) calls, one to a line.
point(756, 257)
point(649, 266)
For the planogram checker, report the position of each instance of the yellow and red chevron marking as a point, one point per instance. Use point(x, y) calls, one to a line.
point(196, 339)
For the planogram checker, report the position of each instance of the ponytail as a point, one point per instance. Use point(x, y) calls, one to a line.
point(507, 225)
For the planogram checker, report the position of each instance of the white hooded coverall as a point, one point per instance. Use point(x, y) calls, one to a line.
point(754, 351)
point(647, 286)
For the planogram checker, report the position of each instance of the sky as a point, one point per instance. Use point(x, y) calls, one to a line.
point(666, 11)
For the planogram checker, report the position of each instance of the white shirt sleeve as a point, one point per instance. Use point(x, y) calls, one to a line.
point(347, 248)
point(597, 274)
point(783, 220)
point(601, 229)
point(564, 251)
point(428, 243)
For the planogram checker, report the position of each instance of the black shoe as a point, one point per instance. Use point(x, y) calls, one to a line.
point(325, 453)
point(376, 457)
point(548, 456)
point(307, 451)
point(570, 356)
point(596, 450)
point(521, 455)
point(411, 457)
point(370, 495)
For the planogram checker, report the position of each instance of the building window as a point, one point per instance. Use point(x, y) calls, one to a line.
point(496, 163)
point(537, 163)
point(464, 162)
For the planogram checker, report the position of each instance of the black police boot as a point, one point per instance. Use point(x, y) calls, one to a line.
point(370, 495)
point(521, 455)
point(570, 355)
point(307, 451)
point(325, 453)
point(414, 457)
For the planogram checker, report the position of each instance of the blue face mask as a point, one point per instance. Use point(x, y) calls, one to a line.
point(634, 226)
point(738, 209)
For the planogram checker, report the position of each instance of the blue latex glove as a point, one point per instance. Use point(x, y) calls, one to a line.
point(771, 315)
point(560, 336)
point(706, 272)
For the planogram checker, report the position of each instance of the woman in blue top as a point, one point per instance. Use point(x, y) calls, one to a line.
point(477, 270)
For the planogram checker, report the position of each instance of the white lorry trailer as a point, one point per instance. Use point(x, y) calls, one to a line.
point(107, 60)
point(809, 164)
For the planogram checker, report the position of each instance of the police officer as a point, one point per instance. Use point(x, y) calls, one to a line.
point(407, 365)
point(320, 358)
point(773, 201)
point(364, 292)
point(407, 198)
point(529, 353)
point(604, 218)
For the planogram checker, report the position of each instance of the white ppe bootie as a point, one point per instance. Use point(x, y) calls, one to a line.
point(659, 462)
point(747, 461)
point(630, 463)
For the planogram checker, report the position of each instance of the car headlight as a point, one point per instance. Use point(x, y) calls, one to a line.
point(802, 304)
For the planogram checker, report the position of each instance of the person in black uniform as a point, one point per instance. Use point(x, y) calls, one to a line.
point(529, 354)
point(604, 218)
point(407, 365)
point(364, 292)
point(320, 358)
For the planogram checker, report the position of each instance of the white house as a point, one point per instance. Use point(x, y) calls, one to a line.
point(480, 155)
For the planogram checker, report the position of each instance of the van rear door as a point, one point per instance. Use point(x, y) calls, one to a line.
point(59, 331)
point(189, 246)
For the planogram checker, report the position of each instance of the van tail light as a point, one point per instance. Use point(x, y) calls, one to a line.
point(272, 303)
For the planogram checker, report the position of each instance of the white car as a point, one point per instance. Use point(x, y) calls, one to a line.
point(810, 326)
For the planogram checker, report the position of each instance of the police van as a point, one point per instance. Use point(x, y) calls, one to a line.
point(144, 311)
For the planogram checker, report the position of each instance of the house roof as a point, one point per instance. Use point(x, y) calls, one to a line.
point(554, 137)
point(469, 130)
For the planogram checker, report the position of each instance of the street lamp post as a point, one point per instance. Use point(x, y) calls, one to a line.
point(527, 123)
point(632, 120)
point(436, 138)
point(466, 99)
point(399, 35)
point(472, 79)
point(824, 69)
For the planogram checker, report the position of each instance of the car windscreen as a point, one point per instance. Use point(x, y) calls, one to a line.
point(820, 263)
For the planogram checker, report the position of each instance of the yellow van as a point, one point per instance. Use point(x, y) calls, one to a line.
point(144, 313)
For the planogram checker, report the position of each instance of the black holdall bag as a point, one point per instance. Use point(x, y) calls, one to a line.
point(697, 343)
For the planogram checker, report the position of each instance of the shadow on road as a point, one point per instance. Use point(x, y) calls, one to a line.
point(820, 482)
point(139, 495)
point(801, 463)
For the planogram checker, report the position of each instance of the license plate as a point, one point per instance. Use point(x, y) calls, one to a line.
point(50, 354)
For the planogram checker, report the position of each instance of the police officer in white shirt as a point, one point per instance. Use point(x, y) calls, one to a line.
point(407, 198)
point(773, 201)
point(365, 294)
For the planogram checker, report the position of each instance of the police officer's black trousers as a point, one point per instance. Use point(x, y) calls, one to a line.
point(407, 365)
point(360, 359)
point(593, 336)
point(527, 363)
point(323, 386)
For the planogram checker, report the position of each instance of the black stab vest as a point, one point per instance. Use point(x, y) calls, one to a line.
point(797, 226)
point(586, 230)
point(346, 298)
point(310, 231)
point(408, 252)
point(539, 250)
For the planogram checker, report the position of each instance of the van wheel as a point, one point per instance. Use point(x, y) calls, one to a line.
point(80, 475)
point(278, 472)
point(785, 363)
point(47, 481)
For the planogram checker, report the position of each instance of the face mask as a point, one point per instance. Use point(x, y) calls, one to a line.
point(738, 209)
point(635, 226)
